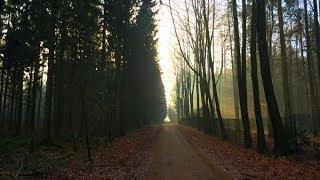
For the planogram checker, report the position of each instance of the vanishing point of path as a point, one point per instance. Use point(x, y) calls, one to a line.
point(175, 157)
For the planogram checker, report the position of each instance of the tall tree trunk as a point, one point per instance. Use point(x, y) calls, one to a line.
point(191, 95)
point(317, 36)
point(34, 89)
point(197, 102)
point(214, 86)
point(270, 49)
point(84, 120)
point(49, 84)
point(280, 137)
point(234, 74)
point(5, 97)
point(305, 74)
point(59, 79)
point(261, 142)
point(27, 116)
point(244, 106)
point(40, 99)
point(12, 99)
point(284, 66)
point(20, 96)
point(313, 99)
point(317, 49)
point(3, 72)
point(241, 85)
point(102, 63)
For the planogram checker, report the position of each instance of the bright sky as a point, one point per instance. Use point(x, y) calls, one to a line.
point(167, 42)
point(165, 38)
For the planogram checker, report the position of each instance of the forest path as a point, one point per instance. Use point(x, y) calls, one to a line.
point(175, 157)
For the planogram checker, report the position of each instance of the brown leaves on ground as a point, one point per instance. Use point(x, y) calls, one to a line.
point(248, 163)
point(124, 158)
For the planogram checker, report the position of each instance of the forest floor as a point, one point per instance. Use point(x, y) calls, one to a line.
point(157, 152)
point(124, 158)
point(248, 163)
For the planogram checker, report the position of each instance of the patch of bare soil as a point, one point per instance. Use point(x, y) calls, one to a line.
point(248, 163)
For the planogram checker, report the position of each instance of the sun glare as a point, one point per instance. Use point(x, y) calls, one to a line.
point(165, 36)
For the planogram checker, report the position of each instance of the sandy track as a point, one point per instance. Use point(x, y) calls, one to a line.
point(174, 157)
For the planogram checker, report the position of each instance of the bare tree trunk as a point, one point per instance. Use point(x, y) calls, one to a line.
point(284, 66)
point(191, 95)
point(28, 108)
point(40, 98)
point(311, 84)
point(234, 74)
point(197, 102)
point(10, 117)
point(241, 76)
point(50, 78)
point(102, 64)
point(280, 137)
point(270, 35)
point(305, 74)
point(59, 79)
point(214, 86)
point(20, 96)
point(34, 94)
point(84, 120)
point(317, 34)
point(244, 106)
point(261, 142)
point(3, 74)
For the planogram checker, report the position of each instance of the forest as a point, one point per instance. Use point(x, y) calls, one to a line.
point(70, 71)
point(249, 71)
point(104, 89)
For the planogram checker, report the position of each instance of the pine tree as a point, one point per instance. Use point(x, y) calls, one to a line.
point(144, 66)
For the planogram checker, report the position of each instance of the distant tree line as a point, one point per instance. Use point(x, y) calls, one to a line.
point(78, 68)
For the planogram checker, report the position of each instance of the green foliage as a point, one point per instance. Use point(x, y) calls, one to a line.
point(132, 47)
point(152, 99)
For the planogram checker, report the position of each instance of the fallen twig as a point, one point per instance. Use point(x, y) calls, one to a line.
point(21, 166)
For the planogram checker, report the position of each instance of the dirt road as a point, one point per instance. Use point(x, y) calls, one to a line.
point(175, 157)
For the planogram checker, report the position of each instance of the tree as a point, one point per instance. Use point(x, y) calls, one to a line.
point(317, 37)
point(261, 142)
point(241, 70)
point(284, 67)
point(51, 59)
point(143, 68)
point(211, 60)
point(280, 137)
point(311, 82)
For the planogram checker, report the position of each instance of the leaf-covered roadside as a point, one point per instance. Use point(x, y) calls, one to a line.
point(125, 157)
point(248, 162)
